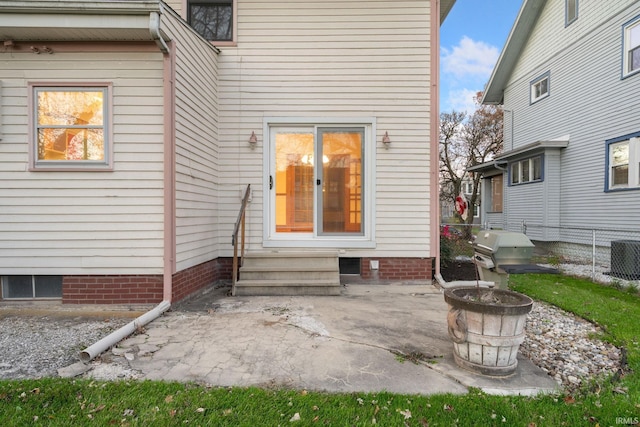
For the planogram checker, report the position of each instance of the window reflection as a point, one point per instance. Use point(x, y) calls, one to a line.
point(70, 125)
point(212, 19)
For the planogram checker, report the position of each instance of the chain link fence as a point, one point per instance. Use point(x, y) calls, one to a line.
point(603, 255)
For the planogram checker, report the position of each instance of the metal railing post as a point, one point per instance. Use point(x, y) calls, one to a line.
point(593, 256)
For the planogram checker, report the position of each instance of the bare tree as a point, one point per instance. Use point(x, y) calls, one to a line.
point(467, 141)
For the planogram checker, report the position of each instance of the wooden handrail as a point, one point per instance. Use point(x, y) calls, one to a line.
point(239, 227)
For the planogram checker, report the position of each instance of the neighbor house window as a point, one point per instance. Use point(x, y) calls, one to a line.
point(212, 19)
point(496, 193)
point(623, 163)
point(631, 47)
point(525, 171)
point(70, 127)
point(571, 11)
point(540, 88)
point(31, 287)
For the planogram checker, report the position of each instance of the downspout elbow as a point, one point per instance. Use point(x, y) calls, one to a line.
point(154, 30)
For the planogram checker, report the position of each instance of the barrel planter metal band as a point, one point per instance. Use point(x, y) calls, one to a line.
point(487, 328)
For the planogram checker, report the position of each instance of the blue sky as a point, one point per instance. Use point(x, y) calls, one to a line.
point(471, 40)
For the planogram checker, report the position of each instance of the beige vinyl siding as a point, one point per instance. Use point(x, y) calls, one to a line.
point(196, 140)
point(332, 59)
point(588, 101)
point(106, 222)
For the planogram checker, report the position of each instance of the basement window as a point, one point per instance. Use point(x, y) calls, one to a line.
point(349, 265)
point(31, 287)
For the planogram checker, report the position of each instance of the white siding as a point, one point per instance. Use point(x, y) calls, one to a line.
point(588, 101)
point(105, 222)
point(339, 59)
point(197, 164)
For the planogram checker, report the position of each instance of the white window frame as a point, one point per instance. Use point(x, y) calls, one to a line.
point(536, 85)
point(630, 43)
point(633, 163)
point(70, 165)
point(517, 168)
point(568, 6)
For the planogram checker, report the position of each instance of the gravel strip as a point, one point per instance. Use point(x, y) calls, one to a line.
point(35, 347)
point(564, 346)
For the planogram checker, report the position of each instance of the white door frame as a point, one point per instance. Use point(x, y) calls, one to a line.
point(271, 239)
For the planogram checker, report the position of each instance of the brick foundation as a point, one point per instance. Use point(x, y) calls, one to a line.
point(193, 279)
point(397, 269)
point(119, 289)
point(142, 289)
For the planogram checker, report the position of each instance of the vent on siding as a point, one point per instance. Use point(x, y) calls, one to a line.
point(625, 259)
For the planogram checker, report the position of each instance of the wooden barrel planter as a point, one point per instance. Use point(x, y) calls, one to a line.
point(487, 328)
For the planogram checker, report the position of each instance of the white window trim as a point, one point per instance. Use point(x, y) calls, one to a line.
point(633, 165)
point(77, 165)
point(626, 31)
point(532, 91)
point(569, 20)
point(364, 241)
point(516, 179)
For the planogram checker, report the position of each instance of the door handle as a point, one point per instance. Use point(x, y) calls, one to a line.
point(318, 182)
point(270, 182)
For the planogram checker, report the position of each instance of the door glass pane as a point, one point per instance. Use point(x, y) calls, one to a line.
point(17, 287)
point(294, 182)
point(48, 286)
point(342, 180)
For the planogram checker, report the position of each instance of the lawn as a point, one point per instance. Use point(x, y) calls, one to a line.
point(604, 402)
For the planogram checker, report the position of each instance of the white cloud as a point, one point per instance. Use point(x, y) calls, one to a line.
point(470, 58)
point(460, 100)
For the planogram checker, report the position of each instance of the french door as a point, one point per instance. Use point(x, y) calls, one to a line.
point(316, 182)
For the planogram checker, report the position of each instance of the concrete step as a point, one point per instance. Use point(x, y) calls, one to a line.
point(286, 287)
point(289, 273)
point(285, 259)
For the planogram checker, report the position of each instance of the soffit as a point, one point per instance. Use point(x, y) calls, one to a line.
point(445, 8)
point(76, 21)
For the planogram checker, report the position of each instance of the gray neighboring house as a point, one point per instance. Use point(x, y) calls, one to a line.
point(569, 80)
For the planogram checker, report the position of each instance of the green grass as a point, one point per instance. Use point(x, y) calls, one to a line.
point(605, 402)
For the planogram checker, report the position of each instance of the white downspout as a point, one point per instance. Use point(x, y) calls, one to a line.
point(115, 337)
point(154, 30)
point(109, 341)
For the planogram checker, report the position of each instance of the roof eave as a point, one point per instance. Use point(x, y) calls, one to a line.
point(524, 23)
point(445, 8)
point(66, 20)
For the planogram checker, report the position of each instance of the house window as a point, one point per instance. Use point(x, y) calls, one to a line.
point(631, 47)
point(525, 171)
point(540, 88)
point(571, 11)
point(212, 19)
point(623, 163)
point(31, 287)
point(496, 193)
point(70, 127)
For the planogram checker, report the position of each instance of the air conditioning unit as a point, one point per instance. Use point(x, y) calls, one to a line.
point(625, 259)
